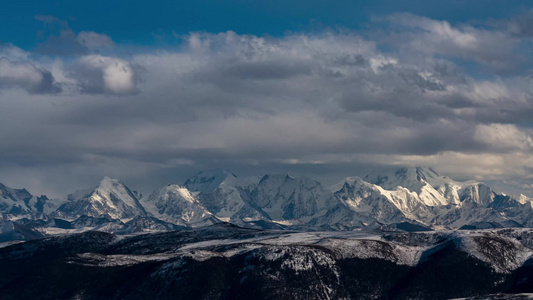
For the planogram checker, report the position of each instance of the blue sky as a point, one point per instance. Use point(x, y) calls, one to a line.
point(153, 93)
point(136, 22)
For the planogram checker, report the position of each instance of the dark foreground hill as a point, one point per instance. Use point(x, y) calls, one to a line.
point(228, 262)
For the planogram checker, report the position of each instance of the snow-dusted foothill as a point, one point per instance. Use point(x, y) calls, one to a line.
point(224, 261)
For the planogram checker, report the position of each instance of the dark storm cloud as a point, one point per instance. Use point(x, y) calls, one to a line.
point(265, 70)
point(457, 102)
point(400, 103)
point(354, 59)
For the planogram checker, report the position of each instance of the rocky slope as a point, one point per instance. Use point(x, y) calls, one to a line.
point(228, 262)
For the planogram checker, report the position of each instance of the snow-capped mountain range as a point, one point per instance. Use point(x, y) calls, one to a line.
point(418, 196)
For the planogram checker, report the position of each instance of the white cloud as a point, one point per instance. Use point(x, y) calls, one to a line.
point(493, 48)
point(106, 75)
point(17, 71)
point(504, 137)
point(12, 52)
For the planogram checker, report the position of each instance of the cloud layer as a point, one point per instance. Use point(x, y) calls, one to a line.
point(410, 90)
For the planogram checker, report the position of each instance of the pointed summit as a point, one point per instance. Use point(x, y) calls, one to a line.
point(109, 180)
point(111, 198)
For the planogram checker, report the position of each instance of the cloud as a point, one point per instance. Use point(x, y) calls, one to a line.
point(505, 137)
point(51, 20)
point(69, 43)
point(98, 74)
point(521, 26)
point(324, 103)
point(62, 40)
point(88, 74)
point(493, 48)
point(92, 40)
point(17, 71)
point(13, 52)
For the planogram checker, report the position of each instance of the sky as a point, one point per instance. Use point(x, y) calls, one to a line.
point(152, 93)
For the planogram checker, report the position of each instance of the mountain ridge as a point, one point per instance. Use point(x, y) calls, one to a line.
point(417, 195)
